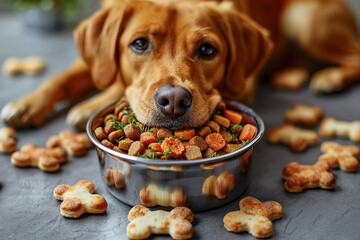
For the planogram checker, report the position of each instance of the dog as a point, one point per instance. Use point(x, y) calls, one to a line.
point(175, 60)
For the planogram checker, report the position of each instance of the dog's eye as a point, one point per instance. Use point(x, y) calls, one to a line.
point(141, 45)
point(207, 50)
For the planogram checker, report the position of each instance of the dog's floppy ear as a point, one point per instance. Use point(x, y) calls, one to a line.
point(97, 42)
point(249, 47)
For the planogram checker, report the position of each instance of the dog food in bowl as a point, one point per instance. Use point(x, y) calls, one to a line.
point(226, 132)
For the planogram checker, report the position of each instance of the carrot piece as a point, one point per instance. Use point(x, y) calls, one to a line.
point(173, 147)
point(147, 138)
point(233, 116)
point(248, 132)
point(156, 146)
point(186, 134)
point(215, 141)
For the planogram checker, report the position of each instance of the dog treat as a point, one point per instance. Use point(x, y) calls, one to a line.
point(340, 156)
point(7, 140)
point(29, 65)
point(219, 186)
point(176, 223)
point(48, 160)
point(114, 177)
point(331, 127)
point(75, 144)
point(78, 199)
point(303, 114)
point(226, 132)
point(254, 216)
point(299, 177)
point(298, 139)
point(290, 79)
point(152, 195)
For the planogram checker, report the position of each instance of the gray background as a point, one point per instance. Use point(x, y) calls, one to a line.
point(29, 211)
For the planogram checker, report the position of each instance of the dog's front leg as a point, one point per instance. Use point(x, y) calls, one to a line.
point(33, 109)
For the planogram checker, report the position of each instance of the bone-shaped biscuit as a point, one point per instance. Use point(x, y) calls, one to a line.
point(153, 195)
point(306, 115)
point(298, 139)
point(331, 127)
point(299, 177)
point(29, 65)
point(48, 160)
point(78, 199)
point(176, 223)
point(75, 144)
point(219, 186)
point(340, 156)
point(7, 140)
point(254, 216)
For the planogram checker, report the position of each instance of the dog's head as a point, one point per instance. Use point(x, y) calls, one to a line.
point(175, 58)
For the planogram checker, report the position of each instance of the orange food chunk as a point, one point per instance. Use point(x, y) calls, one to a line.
point(177, 148)
point(233, 116)
point(248, 132)
point(215, 141)
point(187, 134)
point(156, 147)
point(147, 138)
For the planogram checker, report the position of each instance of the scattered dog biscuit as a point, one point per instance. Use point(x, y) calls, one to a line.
point(254, 216)
point(114, 177)
point(218, 186)
point(303, 114)
point(340, 156)
point(7, 140)
point(48, 160)
point(330, 128)
point(290, 79)
point(152, 195)
point(298, 139)
point(78, 199)
point(29, 65)
point(75, 144)
point(176, 223)
point(299, 177)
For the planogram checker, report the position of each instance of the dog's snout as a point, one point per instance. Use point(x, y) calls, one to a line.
point(173, 101)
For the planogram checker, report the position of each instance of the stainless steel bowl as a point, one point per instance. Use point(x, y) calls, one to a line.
point(164, 182)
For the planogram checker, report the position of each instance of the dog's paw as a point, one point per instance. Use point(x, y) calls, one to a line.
point(24, 113)
point(78, 117)
point(328, 80)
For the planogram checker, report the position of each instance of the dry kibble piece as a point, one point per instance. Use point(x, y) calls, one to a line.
point(219, 186)
point(303, 114)
point(331, 127)
point(132, 131)
point(48, 160)
point(299, 177)
point(192, 152)
point(78, 199)
point(108, 144)
point(7, 140)
point(115, 135)
point(298, 139)
point(109, 127)
point(254, 217)
point(176, 223)
point(147, 138)
point(110, 117)
point(213, 126)
point(125, 144)
point(222, 121)
point(136, 148)
point(227, 136)
point(232, 147)
point(235, 128)
point(164, 133)
point(340, 156)
point(199, 142)
point(209, 153)
point(153, 195)
point(125, 119)
point(204, 131)
point(120, 105)
point(75, 144)
point(100, 133)
point(154, 130)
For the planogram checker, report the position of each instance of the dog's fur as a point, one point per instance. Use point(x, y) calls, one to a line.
point(242, 31)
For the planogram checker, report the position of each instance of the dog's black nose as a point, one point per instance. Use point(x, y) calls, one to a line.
point(173, 101)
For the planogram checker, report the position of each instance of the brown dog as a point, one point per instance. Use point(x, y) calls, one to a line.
point(173, 60)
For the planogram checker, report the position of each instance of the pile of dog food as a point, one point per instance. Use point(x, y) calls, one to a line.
point(227, 131)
